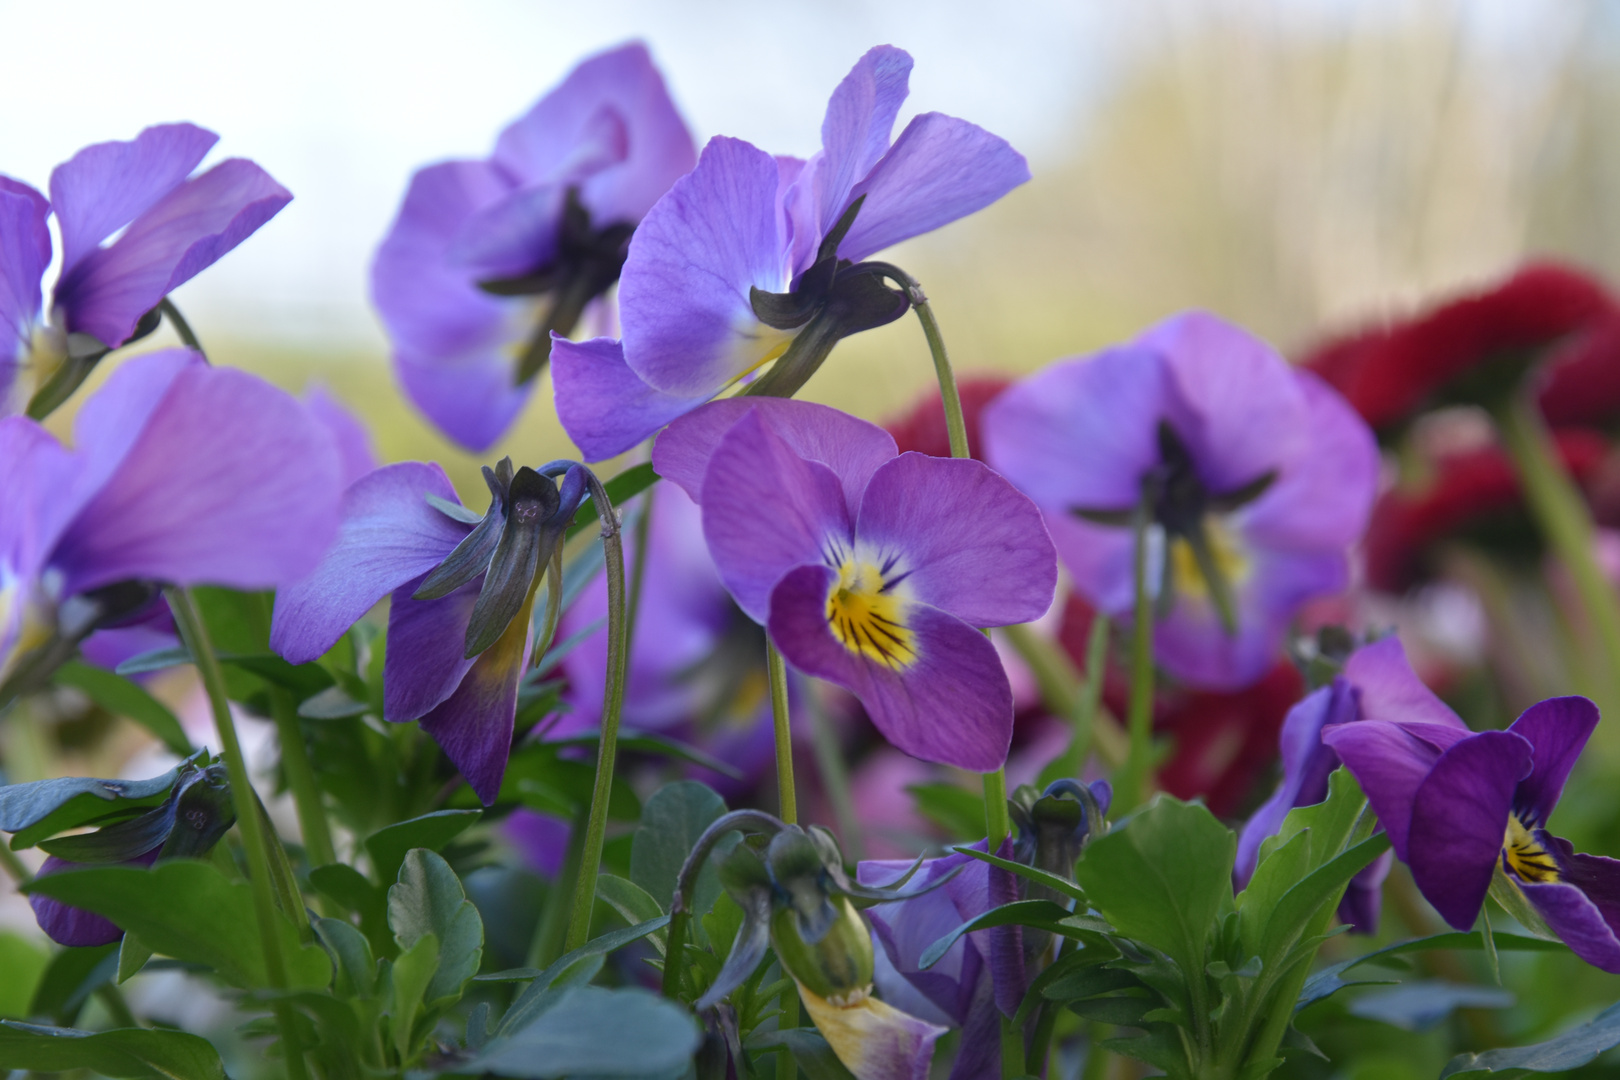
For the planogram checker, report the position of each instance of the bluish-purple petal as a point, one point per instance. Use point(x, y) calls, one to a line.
point(1557, 730)
point(474, 725)
point(857, 128)
point(353, 442)
point(1390, 763)
point(1007, 970)
point(427, 643)
point(1363, 900)
point(1388, 689)
point(25, 252)
point(1572, 915)
point(905, 929)
point(603, 405)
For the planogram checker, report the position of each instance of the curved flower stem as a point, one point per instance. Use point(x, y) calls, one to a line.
point(301, 779)
point(579, 924)
point(248, 820)
point(182, 328)
point(755, 821)
point(1134, 780)
point(776, 671)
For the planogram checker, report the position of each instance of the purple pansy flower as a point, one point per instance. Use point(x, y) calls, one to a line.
point(151, 494)
point(869, 569)
point(750, 254)
point(1457, 804)
point(487, 258)
point(174, 225)
point(1258, 477)
point(459, 618)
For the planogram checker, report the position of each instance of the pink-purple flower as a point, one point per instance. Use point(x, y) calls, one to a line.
point(487, 258)
point(753, 256)
point(867, 568)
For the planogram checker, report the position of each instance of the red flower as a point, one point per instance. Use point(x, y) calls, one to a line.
point(923, 428)
point(1582, 381)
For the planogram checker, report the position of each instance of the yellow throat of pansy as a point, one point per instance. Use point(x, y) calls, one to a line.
point(1526, 857)
point(867, 615)
point(1227, 551)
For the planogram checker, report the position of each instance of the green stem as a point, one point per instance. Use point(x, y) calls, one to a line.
point(1090, 696)
point(786, 1067)
point(248, 822)
point(579, 925)
point(301, 779)
point(549, 928)
point(835, 779)
point(1062, 688)
point(776, 671)
point(1012, 1049)
point(181, 327)
point(13, 865)
point(1097, 1056)
point(1134, 781)
point(638, 566)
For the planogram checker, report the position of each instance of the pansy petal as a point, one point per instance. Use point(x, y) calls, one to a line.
point(1098, 559)
point(768, 510)
point(1595, 875)
point(951, 704)
point(1459, 814)
point(25, 252)
point(603, 405)
point(1577, 921)
point(474, 725)
point(104, 187)
point(107, 291)
point(72, 926)
point(348, 433)
point(967, 541)
point(857, 128)
point(939, 169)
point(155, 519)
point(1557, 730)
point(1390, 763)
point(1363, 900)
point(115, 416)
point(873, 1039)
point(905, 929)
point(427, 643)
point(1389, 689)
point(689, 326)
point(853, 449)
point(35, 472)
point(390, 535)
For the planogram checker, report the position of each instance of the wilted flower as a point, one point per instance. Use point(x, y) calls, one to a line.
point(868, 569)
point(488, 258)
point(173, 228)
point(1255, 480)
point(753, 258)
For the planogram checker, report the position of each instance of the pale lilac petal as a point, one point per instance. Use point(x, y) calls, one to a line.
point(474, 725)
point(390, 535)
point(37, 476)
point(857, 128)
point(108, 290)
point(966, 541)
point(1100, 559)
point(1388, 688)
point(353, 442)
point(1459, 814)
point(939, 169)
point(1390, 763)
point(474, 399)
point(427, 640)
point(25, 252)
point(951, 705)
point(173, 510)
point(514, 235)
point(104, 187)
point(689, 327)
point(1573, 916)
point(853, 449)
point(905, 929)
point(603, 405)
point(1557, 730)
point(768, 510)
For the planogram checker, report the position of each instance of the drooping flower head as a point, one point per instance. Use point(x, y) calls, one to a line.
point(753, 258)
point(868, 569)
point(174, 226)
point(1255, 480)
point(151, 494)
point(487, 258)
point(462, 590)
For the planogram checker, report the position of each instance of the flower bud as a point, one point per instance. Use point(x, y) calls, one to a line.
point(837, 966)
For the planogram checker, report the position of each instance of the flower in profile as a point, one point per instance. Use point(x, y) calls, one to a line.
point(151, 494)
point(753, 258)
point(462, 597)
point(486, 259)
point(1254, 480)
point(868, 569)
point(169, 226)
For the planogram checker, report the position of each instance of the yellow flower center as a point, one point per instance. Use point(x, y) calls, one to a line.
point(1525, 857)
point(1230, 558)
point(867, 618)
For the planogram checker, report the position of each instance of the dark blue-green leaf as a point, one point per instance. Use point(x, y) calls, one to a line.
point(136, 1053)
point(388, 845)
point(592, 1030)
point(671, 822)
point(45, 807)
point(1570, 1050)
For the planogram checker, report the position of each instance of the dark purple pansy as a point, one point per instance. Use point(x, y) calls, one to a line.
point(151, 494)
point(1258, 477)
point(868, 569)
point(751, 252)
point(170, 226)
point(486, 258)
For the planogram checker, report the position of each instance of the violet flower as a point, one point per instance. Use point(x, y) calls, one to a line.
point(1258, 479)
point(751, 257)
point(869, 570)
point(152, 495)
point(1457, 804)
point(487, 258)
point(174, 225)
point(460, 618)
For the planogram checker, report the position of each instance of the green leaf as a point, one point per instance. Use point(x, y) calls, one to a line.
point(354, 892)
point(429, 900)
point(809, 1050)
point(1029, 873)
point(631, 901)
point(24, 965)
point(533, 1000)
point(1570, 1050)
point(333, 703)
point(413, 972)
point(1090, 982)
point(132, 956)
point(71, 976)
point(1330, 980)
point(661, 746)
point(388, 845)
point(188, 910)
point(122, 697)
point(1511, 900)
point(1163, 878)
point(356, 966)
point(958, 811)
point(1321, 888)
point(125, 1052)
point(1040, 914)
point(592, 1030)
point(1418, 1006)
point(46, 807)
point(671, 822)
point(628, 484)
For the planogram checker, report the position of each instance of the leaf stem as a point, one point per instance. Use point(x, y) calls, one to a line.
point(776, 671)
point(1135, 779)
point(301, 779)
point(182, 328)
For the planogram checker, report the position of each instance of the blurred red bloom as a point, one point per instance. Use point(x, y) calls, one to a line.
point(1581, 384)
point(923, 428)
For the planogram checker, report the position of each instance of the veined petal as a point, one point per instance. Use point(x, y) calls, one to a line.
point(107, 291)
point(939, 169)
point(104, 187)
point(37, 476)
point(966, 541)
point(689, 325)
point(1557, 730)
point(857, 129)
point(348, 433)
point(603, 405)
point(949, 702)
point(1388, 688)
point(1578, 922)
point(1390, 763)
point(853, 449)
point(768, 510)
point(873, 1039)
point(427, 642)
point(25, 252)
point(1459, 815)
point(389, 536)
